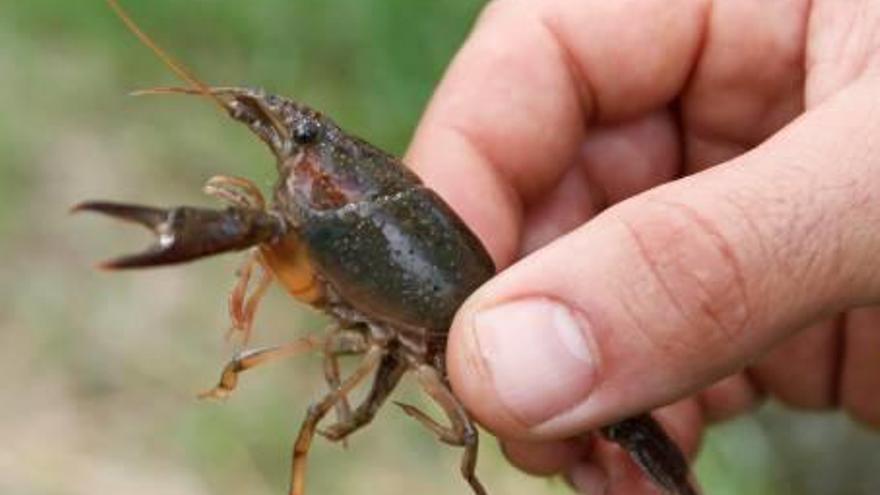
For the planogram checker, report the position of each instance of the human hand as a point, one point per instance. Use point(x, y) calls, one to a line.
point(692, 187)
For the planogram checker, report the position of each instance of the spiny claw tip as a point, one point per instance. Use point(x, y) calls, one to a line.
point(121, 263)
point(145, 215)
point(106, 266)
point(79, 207)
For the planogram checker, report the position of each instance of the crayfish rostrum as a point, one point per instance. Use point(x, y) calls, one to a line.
point(354, 233)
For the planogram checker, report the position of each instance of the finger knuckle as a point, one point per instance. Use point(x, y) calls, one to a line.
point(684, 258)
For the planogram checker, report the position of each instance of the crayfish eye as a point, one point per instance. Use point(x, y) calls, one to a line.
point(306, 132)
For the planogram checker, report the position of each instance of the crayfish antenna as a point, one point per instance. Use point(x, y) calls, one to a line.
point(178, 68)
point(166, 90)
point(179, 90)
point(188, 233)
point(243, 95)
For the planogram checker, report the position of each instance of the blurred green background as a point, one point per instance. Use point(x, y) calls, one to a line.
point(99, 370)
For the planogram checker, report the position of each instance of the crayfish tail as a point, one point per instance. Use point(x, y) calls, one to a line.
point(654, 452)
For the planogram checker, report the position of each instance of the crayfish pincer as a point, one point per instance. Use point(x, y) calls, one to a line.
point(352, 232)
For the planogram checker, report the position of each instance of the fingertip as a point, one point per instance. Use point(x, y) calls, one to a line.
point(519, 363)
point(547, 458)
point(589, 479)
point(572, 202)
point(471, 380)
point(729, 397)
point(628, 158)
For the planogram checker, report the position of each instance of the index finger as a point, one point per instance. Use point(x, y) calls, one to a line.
point(515, 105)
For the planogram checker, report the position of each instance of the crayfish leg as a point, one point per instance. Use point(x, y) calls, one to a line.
point(387, 377)
point(243, 302)
point(316, 413)
point(341, 342)
point(251, 359)
point(461, 432)
point(333, 379)
point(236, 191)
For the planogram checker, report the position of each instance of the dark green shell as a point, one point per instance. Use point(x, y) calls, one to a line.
point(390, 247)
point(405, 258)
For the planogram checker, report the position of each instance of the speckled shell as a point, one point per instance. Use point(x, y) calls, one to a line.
point(389, 246)
point(405, 258)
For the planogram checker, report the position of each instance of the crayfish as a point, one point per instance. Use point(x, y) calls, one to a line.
point(352, 232)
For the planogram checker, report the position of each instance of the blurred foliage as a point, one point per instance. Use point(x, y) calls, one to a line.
point(99, 371)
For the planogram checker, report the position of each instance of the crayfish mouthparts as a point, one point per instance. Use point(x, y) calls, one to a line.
point(186, 233)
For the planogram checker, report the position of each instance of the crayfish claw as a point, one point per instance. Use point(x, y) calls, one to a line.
point(149, 217)
point(144, 215)
point(187, 233)
point(155, 255)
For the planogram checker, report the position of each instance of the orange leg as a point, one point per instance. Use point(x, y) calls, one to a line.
point(317, 411)
point(341, 343)
point(235, 191)
point(332, 376)
point(256, 357)
point(243, 302)
point(243, 193)
point(461, 431)
point(390, 371)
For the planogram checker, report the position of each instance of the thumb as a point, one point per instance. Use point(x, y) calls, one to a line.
point(670, 291)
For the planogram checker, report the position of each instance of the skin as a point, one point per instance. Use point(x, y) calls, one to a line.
point(697, 182)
